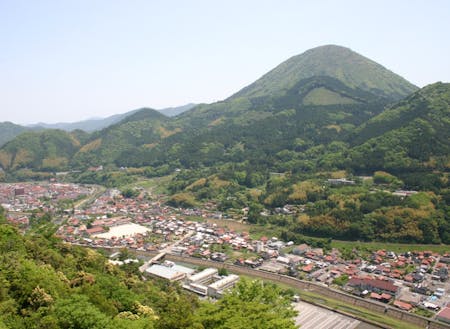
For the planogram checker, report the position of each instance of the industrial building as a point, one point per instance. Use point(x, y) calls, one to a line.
point(203, 277)
point(217, 288)
point(164, 272)
point(169, 271)
point(205, 283)
point(209, 283)
point(197, 288)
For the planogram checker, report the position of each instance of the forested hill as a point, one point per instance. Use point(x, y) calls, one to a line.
point(303, 76)
point(139, 131)
point(45, 150)
point(9, 131)
point(413, 135)
point(338, 62)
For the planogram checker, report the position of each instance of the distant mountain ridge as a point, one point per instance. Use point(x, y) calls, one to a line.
point(174, 111)
point(91, 125)
point(9, 130)
point(88, 125)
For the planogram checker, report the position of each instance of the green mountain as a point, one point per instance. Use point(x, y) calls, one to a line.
point(411, 135)
point(142, 129)
point(9, 130)
point(341, 63)
point(314, 98)
point(323, 76)
point(45, 150)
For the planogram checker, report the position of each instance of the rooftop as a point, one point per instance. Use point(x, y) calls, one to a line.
point(444, 314)
point(165, 272)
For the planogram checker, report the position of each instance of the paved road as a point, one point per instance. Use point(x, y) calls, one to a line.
point(313, 317)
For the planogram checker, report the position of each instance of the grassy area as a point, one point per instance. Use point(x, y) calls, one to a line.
point(423, 312)
point(395, 247)
point(230, 224)
point(155, 185)
point(197, 219)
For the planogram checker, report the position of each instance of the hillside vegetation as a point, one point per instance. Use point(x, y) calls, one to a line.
point(8, 131)
point(45, 150)
point(338, 62)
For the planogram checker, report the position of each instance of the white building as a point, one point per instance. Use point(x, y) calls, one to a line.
point(203, 277)
point(165, 272)
point(217, 288)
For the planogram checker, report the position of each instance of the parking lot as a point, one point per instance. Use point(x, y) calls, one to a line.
point(314, 317)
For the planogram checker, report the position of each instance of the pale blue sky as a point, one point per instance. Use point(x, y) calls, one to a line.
point(67, 60)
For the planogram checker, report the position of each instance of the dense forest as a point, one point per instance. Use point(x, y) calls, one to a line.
point(46, 283)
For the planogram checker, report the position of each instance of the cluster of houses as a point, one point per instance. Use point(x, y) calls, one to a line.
point(24, 197)
point(21, 199)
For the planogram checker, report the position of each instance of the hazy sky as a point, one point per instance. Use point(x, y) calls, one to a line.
point(67, 60)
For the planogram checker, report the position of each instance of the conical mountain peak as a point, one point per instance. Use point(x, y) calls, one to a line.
point(351, 68)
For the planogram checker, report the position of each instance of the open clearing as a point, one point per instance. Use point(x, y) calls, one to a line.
point(123, 231)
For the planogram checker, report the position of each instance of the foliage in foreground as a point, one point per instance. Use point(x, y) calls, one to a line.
point(253, 305)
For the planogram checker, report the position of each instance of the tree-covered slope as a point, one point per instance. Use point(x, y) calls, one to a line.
point(412, 135)
point(45, 150)
point(9, 130)
point(338, 62)
point(315, 111)
point(141, 129)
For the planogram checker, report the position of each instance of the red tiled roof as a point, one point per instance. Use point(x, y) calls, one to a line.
point(444, 313)
point(402, 305)
point(374, 295)
point(386, 296)
point(375, 283)
point(96, 229)
point(308, 268)
point(408, 278)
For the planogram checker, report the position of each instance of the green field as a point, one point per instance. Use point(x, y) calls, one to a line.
point(395, 247)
